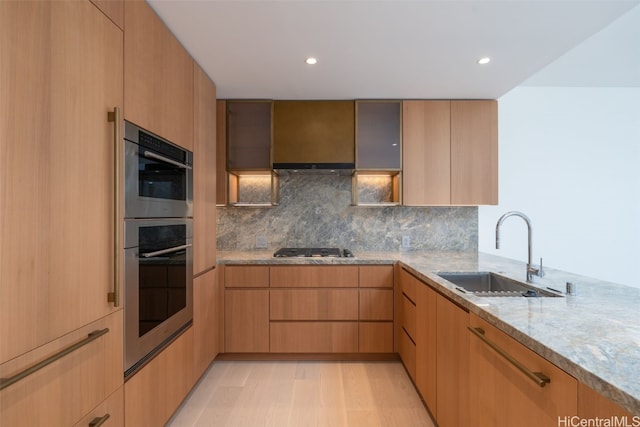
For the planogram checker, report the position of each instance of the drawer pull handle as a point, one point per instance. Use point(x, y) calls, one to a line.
point(115, 117)
point(537, 377)
point(98, 421)
point(6, 382)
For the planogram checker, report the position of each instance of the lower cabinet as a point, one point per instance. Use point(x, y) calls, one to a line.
point(501, 394)
point(452, 359)
point(592, 405)
point(426, 370)
point(314, 337)
point(72, 386)
point(206, 320)
point(109, 413)
point(246, 320)
point(154, 392)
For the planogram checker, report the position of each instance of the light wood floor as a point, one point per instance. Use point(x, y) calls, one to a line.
point(300, 394)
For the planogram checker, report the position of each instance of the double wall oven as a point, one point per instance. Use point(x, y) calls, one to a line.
point(158, 259)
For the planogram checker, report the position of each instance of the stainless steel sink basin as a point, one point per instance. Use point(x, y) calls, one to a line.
point(489, 284)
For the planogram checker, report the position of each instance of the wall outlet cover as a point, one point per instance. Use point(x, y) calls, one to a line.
point(406, 241)
point(262, 242)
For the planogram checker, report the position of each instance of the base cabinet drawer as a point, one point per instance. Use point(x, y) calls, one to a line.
point(308, 276)
point(408, 353)
point(314, 304)
point(314, 337)
point(376, 337)
point(109, 413)
point(64, 391)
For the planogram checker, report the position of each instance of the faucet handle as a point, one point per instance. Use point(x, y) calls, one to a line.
point(540, 271)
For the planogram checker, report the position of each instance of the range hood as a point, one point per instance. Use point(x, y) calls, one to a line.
point(314, 136)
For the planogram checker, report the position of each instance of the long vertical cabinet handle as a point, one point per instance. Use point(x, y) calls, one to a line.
point(115, 117)
point(537, 377)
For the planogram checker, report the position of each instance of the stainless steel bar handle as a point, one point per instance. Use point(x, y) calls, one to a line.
point(6, 382)
point(115, 117)
point(98, 421)
point(152, 155)
point(537, 377)
point(165, 251)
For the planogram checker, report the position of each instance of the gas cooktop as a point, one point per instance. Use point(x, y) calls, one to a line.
point(312, 252)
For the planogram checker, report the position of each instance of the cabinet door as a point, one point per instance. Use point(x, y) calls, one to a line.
point(158, 77)
point(154, 392)
point(246, 321)
point(222, 179)
point(109, 413)
point(502, 395)
point(474, 152)
point(204, 159)
point(248, 135)
point(62, 74)
point(378, 135)
point(592, 404)
point(206, 328)
point(426, 364)
point(426, 156)
point(452, 358)
point(64, 391)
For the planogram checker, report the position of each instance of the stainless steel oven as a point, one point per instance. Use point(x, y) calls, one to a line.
point(158, 176)
point(158, 291)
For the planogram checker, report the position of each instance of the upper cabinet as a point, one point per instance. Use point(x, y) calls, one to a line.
point(450, 153)
point(474, 152)
point(158, 77)
point(378, 126)
point(248, 135)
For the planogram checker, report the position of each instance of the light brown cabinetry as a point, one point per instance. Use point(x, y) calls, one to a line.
point(207, 305)
point(314, 309)
point(114, 9)
point(376, 310)
point(64, 74)
point(426, 355)
point(204, 185)
point(502, 395)
point(154, 392)
point(65, 391)
point(592, 404)
point(407, 321)
point(450, 153)
point(452, 359)
point(158, 77)
point(246, 309)
point(111, 411)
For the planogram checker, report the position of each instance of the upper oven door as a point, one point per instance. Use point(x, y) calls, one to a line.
point(158, 177)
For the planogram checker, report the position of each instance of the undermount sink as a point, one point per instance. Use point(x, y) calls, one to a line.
point(489, 284)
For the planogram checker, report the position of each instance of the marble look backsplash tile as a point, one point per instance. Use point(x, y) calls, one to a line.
point(316, 210)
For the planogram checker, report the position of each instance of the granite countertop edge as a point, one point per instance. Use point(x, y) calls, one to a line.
point(555, 328)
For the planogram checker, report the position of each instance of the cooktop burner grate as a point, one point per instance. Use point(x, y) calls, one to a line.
point(310, 252)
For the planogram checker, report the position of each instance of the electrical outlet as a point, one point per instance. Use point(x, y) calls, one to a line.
point(262, 242)
point(406, 241)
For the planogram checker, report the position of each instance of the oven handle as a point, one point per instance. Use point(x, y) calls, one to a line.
point(152, 155)
point(165, 251)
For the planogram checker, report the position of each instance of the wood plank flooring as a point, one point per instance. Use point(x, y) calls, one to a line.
point(297, 394)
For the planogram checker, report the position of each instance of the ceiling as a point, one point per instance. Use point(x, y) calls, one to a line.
point(396, 49)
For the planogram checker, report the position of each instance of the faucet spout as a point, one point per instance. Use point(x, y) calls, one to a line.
point(530, 269)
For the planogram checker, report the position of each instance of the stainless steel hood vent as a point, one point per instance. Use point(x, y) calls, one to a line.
point(312, 136)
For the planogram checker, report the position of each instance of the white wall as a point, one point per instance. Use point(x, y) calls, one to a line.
point(570, 160)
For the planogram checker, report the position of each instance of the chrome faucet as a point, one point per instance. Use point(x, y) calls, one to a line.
point(531, 270)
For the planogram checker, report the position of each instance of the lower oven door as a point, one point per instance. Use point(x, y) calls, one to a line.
point(158, 288)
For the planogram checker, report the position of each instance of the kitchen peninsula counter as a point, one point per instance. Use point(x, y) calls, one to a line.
point(593, 335)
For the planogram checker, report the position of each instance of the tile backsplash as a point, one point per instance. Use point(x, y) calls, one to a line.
point(316, 211)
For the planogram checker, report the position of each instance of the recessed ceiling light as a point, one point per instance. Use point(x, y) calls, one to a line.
point(485, 60)
point(311, 61)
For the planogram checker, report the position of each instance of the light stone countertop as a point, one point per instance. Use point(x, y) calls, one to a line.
point(593, 335)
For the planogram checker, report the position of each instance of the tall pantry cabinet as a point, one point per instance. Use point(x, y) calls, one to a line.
point(62, 73)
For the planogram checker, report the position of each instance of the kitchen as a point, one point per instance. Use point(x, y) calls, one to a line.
point(167, 128)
